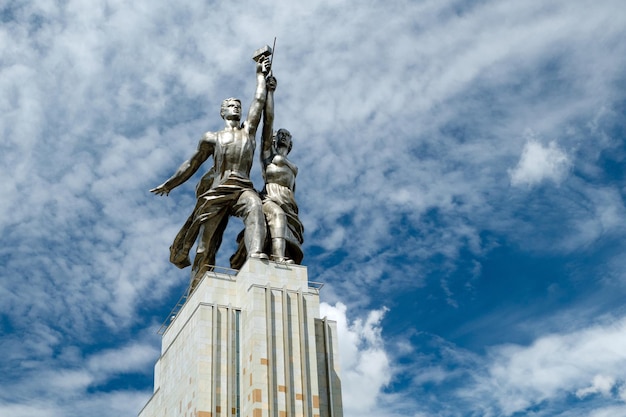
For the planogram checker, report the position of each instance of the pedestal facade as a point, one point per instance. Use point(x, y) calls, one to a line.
point(249, 345)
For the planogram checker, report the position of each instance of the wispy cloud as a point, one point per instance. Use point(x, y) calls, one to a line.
point(553, 367)
point(410, 130)
point(570, 374)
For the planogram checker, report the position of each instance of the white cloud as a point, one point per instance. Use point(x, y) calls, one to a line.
point(110, 404)
point(61, 383)
point(554, 366)
point(614, 411)
point(131, 358)
point(601, 384)
point(365, 366)
point(539, 163)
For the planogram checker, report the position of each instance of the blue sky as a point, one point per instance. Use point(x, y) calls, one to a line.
point(461, 183)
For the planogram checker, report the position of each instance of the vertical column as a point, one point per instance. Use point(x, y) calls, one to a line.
point(256, 355)
point(329, 385)
point(327, 353)
point(303, 354)
point(214, 364)
point(271, 366)
point(238, 377)
point(289, 389)
point(230, 375)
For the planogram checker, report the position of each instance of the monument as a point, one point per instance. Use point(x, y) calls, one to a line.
point(246, 341)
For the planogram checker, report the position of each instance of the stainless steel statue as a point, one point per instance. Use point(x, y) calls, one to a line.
point(226, 189)
point(279, 203)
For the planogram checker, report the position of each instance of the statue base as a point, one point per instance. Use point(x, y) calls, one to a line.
point(250, 345)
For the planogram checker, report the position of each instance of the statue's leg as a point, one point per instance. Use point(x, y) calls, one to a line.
point(276, 219)
point(250, 209)
point(277, 222)
point(179, 251)
point(211, 232)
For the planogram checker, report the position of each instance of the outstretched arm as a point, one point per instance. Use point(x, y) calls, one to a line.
point(258, 102)
point(189, 167)
point(268, 123)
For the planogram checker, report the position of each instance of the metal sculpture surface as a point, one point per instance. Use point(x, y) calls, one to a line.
point(279, 203)
point(226, 190)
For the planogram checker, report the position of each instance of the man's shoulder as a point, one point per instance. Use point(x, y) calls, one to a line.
point(209, 136)
point(207, 143)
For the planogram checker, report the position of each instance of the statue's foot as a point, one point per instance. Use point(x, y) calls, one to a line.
point(283, 260)
point(259, 255)
point(183, 263)
point(180, 258)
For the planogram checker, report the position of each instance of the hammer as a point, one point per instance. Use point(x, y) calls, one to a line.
point(262, 52)
point(265, 51)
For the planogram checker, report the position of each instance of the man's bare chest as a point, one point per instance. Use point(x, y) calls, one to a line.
point(235, 144)
point(234, 138)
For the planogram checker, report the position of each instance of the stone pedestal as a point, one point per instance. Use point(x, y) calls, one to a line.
point(249, 345)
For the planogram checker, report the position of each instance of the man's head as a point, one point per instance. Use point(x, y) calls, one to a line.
point(282, 140)
point(231, 109)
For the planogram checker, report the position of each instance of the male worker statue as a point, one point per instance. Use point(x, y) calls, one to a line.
point(226, 190)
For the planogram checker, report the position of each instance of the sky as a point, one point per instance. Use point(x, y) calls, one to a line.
point(461, 183)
